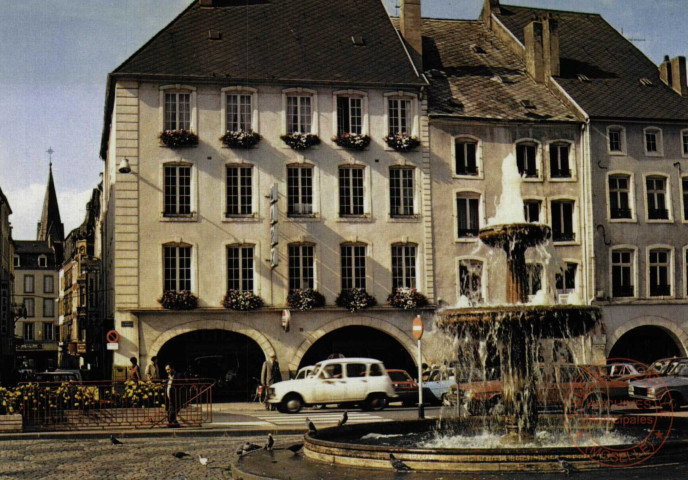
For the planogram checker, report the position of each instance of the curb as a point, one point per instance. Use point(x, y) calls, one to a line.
point(172, 433)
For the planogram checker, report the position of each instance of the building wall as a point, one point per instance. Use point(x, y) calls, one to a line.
point(6, 291)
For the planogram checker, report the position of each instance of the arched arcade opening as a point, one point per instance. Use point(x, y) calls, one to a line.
point(645, 344)
point(231, 359)
point(360, 341)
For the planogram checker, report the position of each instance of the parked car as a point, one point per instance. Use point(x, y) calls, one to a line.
point(553, 386)
point(437, 386)
point(58, 376)
point(405, 387)
point(668, 392)
point(304, 372)
point(626, 370)
point(361, 381)
point(664, 365)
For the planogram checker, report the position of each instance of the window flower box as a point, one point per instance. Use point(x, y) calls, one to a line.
point(300, 141)
point(240, 139)
point(402, 142)
point(179, 138)
point(352, 141)
point(242, 301)
point(305, 299)
point(355, 299)
point(178, 300)
point(407, 299)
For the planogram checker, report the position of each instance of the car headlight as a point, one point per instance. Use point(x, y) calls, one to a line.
point(630, 389)
point(651, 392)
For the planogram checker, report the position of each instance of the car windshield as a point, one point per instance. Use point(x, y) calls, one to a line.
point(398, 376)
point(681, 370)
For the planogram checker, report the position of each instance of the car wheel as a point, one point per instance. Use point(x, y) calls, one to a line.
point(670, 402)
point(292, 403)
point(375, 402)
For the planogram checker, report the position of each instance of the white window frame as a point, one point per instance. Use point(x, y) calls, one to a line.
point(42, 261)
point(315, 216)
point(683, 202)
point(301, 244)
point(417, 265)
point(193, 264)
point(634, 273)
point(365, 126)
point(671, 274)
point(538, 158)
point(667, 199)
point(366, 191)
point(178, 88)
point(238, 90)
point(631, 197)
point(543, 207)
point(45, 278)
point(481, 213)
point(576, 281)
point(190, 217)
point(622, 142)
point(256, 262)
point(254, 196)
point(413, 114)
point(683, 139)
point(659, 139)
point(301, 92)
point(416, 192)
point(483, 279)
point(33, 283)
point(367, 278)
point(25, 330)
point(30, 312)
point(48, 301)
point(478, 156)
point(52, 330)
point(575, 224)
point(572, 160)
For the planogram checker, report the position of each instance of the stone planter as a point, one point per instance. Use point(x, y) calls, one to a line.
point(11, 423)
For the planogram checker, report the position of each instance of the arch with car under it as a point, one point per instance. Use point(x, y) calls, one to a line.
point(231, 359)
point(646, 343)
point(356, 341)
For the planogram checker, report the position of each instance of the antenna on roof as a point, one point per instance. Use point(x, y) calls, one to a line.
point(632, 39)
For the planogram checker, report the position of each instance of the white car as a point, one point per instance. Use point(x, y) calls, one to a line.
point(304, 372)
point(341, 380)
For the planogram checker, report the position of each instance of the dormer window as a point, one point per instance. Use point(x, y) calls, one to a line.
point(42, 261)
point(17, 261)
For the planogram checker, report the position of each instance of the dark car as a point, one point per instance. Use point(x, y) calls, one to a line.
point(404, 386)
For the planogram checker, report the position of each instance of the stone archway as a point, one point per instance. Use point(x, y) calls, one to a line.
point(393, 331)
point(668, 327)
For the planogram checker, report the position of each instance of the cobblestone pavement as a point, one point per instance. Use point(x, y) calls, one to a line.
point(136, 458)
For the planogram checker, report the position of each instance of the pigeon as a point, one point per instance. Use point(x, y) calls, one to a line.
point(270, 443)
point(180, 454)
point(344, 419)
point(248, 447)
point(311, 428)
point(114, 441)
point(296, 448)
point(398, 465)
point(566, 467)
point(203, 460)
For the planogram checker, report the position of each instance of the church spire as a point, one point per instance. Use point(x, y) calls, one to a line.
point(50, 228)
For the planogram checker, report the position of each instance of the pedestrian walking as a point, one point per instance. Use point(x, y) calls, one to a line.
point(134, 372)
point(172, 397)
point(269, 374)
point(152, 372)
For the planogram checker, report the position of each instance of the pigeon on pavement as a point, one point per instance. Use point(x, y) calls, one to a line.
point(203, 460)
point(296, 448)
point(114, 441)
point(344, 419)
point(248, 447)
point(311, 428)
point(398, 465)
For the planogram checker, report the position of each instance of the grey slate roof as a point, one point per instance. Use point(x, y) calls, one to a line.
point(492, 84)
point(34, 247)
point(279, 40)
point(590, 46)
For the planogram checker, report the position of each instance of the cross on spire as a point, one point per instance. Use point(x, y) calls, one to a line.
point(50, 152)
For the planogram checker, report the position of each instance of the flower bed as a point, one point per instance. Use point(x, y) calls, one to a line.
point(355, 299)
point(179, 138)
point(407, 298)
point(352, 141)
point(301, 141)
point(243, 301)
point(402, 142)
point(305, 299)
point(240, 139)
point(178, 300)
point(8, 401)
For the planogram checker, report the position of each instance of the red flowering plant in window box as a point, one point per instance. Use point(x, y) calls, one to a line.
point(402, 142)
point(243, 301)
point(179, 138)
point(240, 139)
point(301, 141)
point(355, 299)
point(407, 298)
point(178, 300)
point(352, 141)
point(305, 299)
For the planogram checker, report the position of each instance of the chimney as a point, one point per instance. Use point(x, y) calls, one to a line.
point(665, 71)
point(489, 7)
point(535, 50)
point(410, 23)
point(678, 75)
point(551, 44)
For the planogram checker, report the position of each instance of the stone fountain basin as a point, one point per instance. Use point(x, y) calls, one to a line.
point(343, 446)
point(525, 235)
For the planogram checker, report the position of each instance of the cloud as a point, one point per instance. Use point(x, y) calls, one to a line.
point(27, 206)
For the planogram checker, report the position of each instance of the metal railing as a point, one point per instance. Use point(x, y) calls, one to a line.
point(110, 404)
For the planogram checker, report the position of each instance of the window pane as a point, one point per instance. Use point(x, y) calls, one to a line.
point(403, 266)
point(343, 117)
point(48, 284)
point(28, 284)
point(470, 279)
point(239, 191)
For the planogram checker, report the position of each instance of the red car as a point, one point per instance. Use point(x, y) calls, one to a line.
point(405, 386)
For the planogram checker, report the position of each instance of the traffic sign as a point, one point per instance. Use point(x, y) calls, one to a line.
point(112, 336)
point(417, 327)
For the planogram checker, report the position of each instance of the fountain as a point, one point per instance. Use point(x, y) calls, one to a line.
point(516, 439)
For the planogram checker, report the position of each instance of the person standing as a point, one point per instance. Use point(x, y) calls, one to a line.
point(172, 397)
point(134, 372)
point(269, 374)
point(152, 372)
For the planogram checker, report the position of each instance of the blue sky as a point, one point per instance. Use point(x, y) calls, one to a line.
point(55, 56)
